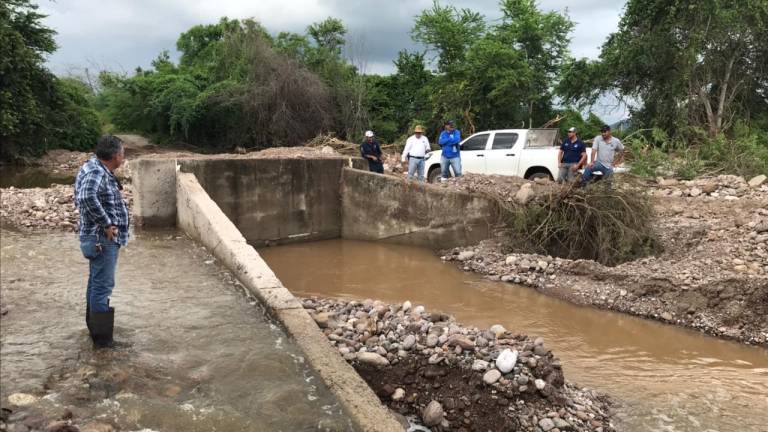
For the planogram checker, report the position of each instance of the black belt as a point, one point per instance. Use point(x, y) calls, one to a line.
point(416, 157)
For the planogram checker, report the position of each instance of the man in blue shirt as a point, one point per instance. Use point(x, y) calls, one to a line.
point(451, 158)
point(571, 157)
point(370, 149)
point(103, 230)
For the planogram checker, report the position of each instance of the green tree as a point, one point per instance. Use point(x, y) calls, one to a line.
point(37, 110)
point(449, 32)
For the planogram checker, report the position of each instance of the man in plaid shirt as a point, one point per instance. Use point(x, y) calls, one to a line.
point(103, 230)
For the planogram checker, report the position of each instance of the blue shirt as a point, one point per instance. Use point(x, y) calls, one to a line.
point(572, 150)
point(98, 198)
point(449, 142)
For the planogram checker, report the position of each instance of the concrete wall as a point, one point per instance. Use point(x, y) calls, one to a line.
point(376, 207)
point(200, 217)
point(275, 201)
point(154, 192)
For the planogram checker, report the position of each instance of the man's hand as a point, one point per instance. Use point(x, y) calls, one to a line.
point(111, 232)
point(574, 168)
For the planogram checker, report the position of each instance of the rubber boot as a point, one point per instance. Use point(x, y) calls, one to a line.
point(88, 318)
point(103, 324)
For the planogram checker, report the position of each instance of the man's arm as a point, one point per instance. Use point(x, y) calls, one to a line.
point(88, 199)
point(443, 140)
point(560, 156)
point(619, 154)
point(406, 150)
point(583, 159)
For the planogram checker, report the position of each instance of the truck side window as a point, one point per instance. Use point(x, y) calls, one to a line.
point(504, 141)
point(477, 142)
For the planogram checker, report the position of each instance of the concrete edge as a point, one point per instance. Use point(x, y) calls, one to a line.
point(200, 217)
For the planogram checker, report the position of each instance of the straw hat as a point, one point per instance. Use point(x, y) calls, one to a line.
point(419, 129)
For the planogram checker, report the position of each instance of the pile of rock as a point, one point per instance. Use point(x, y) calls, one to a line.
point(518, 372)
point(728, 187)
point(505, 188)
point(50, 208)
point(519, 268)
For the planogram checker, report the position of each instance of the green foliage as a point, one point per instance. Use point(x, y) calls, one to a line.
point(37, 110)
point(449, 32)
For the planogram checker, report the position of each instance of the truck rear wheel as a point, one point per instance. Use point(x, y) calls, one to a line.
point(433, 175)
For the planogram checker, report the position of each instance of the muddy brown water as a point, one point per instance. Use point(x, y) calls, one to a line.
point(201, 356)
point(32, 177)
point(666, 378)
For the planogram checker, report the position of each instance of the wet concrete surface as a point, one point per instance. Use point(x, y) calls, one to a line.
point(664, 377)
point(201, 356)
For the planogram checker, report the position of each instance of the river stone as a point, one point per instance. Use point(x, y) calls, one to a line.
point(409, 342)
point(498, 330)
point(491, 376)
point(399, 394)
point(694, 192)
point(540, 350)
point(466, 255)
point(757, 181)
point(432, 340)
point(708, 188)
point(406, 306)
point(22, 399)
point(462, 341)
point(562, 424)
point(372, 359)
point(540, 384)
point(510, 260)
point(546, 424)
point(666, 316)
point(324, 319)
point(97, 427)
point(433, 414)
point(480, 365)
point(524, 194)
point(506, 360)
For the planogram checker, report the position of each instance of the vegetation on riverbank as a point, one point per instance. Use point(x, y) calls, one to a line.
point(238, 84)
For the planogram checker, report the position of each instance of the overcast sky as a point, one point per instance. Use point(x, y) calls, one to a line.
point(123, 34)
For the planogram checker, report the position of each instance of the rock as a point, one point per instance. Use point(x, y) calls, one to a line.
point(546, 424)
point(406, 306)
point(61, 426)
point(540, 350)
point(433, 414)
point(409, 342)
point(506, 360)
point(666, 316)
point(540, 384)
point(498, 330)
point(480, 365)
point(709, 188)
point(524, 194)
point(22, 399)
point(666, 182)
point(465, 255)
point(372, 359)
point(757, 181)
point(432, 340)
point(418, 310)
point(492, 376)
point(97, 427)
point(740, 268)
point(327, 150)
point(324, 319)
point(562, 424)
point(694, 192)
point(462, 341)
point(399, 394)
point(510, 260)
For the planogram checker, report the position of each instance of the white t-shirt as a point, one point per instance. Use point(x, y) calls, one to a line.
point(416, 147)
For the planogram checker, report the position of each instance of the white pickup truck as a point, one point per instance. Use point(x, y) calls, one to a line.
point(527, 153)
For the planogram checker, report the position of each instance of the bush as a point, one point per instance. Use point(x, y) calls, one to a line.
point(601, 222)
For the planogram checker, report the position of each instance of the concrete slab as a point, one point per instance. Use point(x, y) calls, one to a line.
point(154, 186)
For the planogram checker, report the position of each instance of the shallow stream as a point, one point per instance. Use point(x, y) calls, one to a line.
point(201, 355)
point(666, 378)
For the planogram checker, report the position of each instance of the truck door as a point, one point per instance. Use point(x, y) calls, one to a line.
point(502, 158)
point(473, 152)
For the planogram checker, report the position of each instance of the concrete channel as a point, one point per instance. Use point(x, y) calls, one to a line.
point(228, 205)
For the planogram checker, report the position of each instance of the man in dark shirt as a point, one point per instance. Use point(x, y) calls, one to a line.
point(103, 231)
point(571, 157)
point(370, 149)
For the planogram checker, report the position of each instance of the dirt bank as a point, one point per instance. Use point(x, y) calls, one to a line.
point(712, 275)
point(457, 378)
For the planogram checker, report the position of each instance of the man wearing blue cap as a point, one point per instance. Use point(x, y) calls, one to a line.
point(451, 158)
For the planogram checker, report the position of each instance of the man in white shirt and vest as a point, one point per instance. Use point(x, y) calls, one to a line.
point(416, 148)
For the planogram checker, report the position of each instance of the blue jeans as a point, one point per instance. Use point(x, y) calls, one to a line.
point(416, 166)
point(587, 176)
point(102, 259)
point(454, 162)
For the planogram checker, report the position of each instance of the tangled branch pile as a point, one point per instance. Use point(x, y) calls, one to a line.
point(601, 222)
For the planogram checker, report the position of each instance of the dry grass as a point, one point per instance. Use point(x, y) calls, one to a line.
point(602, 222)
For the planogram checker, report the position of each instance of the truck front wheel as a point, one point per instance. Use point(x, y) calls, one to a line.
point(433, 175)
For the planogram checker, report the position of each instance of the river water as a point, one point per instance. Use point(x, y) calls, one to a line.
point(666, 378)
point(201, 356)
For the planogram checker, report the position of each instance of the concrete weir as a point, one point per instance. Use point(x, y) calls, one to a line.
point(229, 205)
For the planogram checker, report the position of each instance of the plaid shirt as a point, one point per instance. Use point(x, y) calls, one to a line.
point(97, 196)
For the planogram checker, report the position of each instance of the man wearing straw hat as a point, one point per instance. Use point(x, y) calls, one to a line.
point(416, 148)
